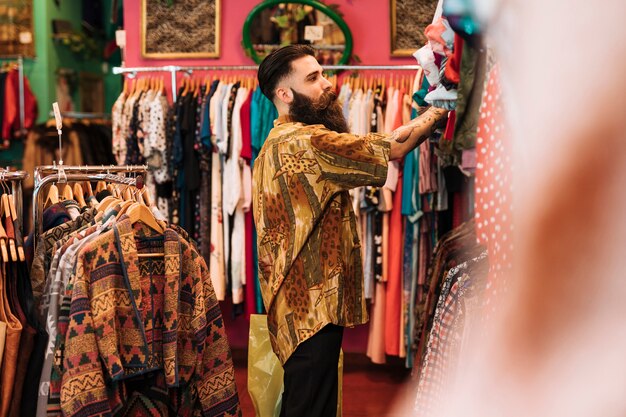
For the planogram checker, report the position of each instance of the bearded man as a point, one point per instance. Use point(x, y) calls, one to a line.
point(309, 251)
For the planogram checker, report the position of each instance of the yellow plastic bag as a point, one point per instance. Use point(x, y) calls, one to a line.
point(265, 373)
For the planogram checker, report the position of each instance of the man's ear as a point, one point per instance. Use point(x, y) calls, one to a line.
point(284, 94)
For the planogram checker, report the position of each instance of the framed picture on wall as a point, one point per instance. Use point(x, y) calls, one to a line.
point(180, 29)
point(16, 28)
point(409, 18)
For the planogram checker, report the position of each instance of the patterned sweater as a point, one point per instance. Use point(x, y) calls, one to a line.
point(133, 317)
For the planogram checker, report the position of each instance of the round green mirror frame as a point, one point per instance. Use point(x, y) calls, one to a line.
point(247, 42)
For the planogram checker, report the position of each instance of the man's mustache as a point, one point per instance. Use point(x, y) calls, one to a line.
point(326, 99)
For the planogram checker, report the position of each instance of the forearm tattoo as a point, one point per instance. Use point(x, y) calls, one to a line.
point(427, 121)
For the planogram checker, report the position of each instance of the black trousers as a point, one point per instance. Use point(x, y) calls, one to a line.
point(311, 379)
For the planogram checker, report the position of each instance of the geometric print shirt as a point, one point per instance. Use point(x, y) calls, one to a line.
point(309, 251)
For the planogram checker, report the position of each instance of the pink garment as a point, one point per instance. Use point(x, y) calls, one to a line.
point(246, 134)
point(246, 184)
point(398, 97)
point(436, 33)
point(393, 121)
point(494, 179)
point(427, 178)
point(376, 336)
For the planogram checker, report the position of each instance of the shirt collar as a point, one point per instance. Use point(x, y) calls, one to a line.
point(285, 118)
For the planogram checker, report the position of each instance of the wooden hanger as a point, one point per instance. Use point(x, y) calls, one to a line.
point(13, 246)
point(196, 88)
point(185, 84)
point(53, 195)
point(127, 194)
point(18, 236)
point(145, 195)
point(78, 195)
point(3, 238)
point(88, 188)
point(140, 213)
point(107, 202)
point(111, 188)
point(6, 211)
point(139, 87)
point(124, 208)
point(100, 186)
point(3, 244)
point(125, 90)
point(67, 192)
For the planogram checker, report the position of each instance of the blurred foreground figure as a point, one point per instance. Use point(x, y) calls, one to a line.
point(556, 345)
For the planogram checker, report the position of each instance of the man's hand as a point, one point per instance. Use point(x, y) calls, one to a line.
point(407, 137)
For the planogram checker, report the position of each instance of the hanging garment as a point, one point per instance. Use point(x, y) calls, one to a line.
point(11, 347)
point(233, 200)
point(394, 276)
point(11, 116)
point(217, 262)
point(128, 339)
point(443, 344)
point(311, 172)
point(494, 194)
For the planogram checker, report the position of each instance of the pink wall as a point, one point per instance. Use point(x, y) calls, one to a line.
point(367, 19)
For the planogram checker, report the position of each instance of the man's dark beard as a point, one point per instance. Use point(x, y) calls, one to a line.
point(326, 110)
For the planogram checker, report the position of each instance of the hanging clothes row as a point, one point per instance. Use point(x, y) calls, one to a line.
point(18, 105)
point(400, 222)
point(131, 318)
point(469, 262)
point(19, 328)
point(210, 139)
point(212, 134)
point(446, 317)
point(200, 151)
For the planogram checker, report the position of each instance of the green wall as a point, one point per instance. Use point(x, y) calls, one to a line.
point(51, 55)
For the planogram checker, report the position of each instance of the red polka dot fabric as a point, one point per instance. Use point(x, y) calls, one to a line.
point(493, 203)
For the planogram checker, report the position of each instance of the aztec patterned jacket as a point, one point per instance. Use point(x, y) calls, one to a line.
point(136, 319)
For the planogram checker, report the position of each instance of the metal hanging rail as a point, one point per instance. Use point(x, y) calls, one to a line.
point(43, 171)
point(169, 68)
point(82, 115)
point(47, 174)
point(173, 69)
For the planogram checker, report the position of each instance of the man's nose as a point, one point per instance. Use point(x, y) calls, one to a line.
point(327, 84)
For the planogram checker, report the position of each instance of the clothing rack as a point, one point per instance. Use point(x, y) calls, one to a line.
point(47, 174)
point(173, 69)
point(20, 70)
point(16, 178)
point(82, 115)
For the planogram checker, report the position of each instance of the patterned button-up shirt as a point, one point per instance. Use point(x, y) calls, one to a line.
point(309, 250)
